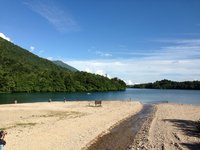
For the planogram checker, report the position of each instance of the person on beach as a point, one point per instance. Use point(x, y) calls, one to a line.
point(2, 141)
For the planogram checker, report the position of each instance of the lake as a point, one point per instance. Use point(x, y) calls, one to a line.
point(143, 95)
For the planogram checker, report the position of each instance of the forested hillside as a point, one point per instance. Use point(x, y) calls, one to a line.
point(62, 64)
point(22, 71)
point(167, 84)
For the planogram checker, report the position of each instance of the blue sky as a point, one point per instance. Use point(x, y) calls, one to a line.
point(136, 40)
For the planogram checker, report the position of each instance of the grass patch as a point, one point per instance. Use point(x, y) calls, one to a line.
point(18, 125)
point(25, 124)
point(6, 128)
point(67, 114)
point(94, 106)
point(63, 114)
point(3, 129)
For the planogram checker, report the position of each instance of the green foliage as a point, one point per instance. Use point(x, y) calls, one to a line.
point(167, 84)
point(22, 71)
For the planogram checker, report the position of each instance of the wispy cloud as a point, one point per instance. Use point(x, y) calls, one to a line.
point(180, 61)
point(60, 19)
point(4, 37)
point(143, 70)
point(180, 49)
point(103, 54)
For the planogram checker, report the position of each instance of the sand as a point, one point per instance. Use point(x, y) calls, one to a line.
point(173, 127)
point(74, 125)
point(59, 125)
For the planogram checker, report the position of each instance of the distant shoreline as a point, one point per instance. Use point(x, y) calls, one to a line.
point(168, 84)
point(161, 88)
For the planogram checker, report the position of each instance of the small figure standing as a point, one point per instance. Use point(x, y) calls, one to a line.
point(2, 141)
point(15, 101)
point(65, 100)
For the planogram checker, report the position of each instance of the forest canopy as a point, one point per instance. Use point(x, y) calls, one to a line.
point(22, 71)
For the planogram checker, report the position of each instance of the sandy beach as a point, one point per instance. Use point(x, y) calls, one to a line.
point(77, 125)
point(59, 125)
point(173, 127)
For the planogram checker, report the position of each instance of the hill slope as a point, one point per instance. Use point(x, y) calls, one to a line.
point(64, 65)
point(22, 71)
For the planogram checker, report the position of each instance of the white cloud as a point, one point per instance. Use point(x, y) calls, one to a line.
point(61, 20)
point(50, 58)
point(180, 61)
point(32, 48)
point(4, 37)
point(143, 70)
point(129, 82)
point(96, 71)
point(88, 70)
point(100, 72)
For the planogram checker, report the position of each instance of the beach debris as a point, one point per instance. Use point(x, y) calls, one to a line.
point(177, 146)
point(176, 136)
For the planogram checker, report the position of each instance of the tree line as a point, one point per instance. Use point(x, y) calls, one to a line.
point(168, 84)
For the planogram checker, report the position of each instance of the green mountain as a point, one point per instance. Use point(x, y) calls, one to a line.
point(22, 71)
point(64, 65)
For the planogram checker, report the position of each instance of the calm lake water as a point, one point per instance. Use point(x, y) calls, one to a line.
point(143, 95)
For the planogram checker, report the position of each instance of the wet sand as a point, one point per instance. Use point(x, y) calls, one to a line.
point(121, 136)
point(59, 125)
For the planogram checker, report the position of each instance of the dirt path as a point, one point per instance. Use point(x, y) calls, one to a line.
point(122, 135)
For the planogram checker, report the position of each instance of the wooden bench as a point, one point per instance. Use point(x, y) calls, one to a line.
point(97, 103)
